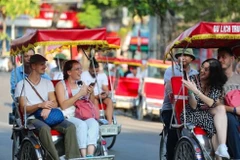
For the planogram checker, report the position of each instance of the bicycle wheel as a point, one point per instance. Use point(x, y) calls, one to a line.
point(162, 146)
point(15, 145)
point(110, 141)
point(184, 150)
point(28, 151)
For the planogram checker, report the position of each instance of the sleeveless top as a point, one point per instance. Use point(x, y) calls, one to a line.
point(74, 91)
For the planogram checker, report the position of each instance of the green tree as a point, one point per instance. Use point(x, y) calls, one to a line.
point(210, 10)
point(91, 12)
point(12, 9)
point(163, 10)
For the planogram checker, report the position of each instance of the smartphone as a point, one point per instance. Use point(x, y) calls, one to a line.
point(185, 75)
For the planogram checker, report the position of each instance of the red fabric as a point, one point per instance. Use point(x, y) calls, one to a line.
point(111, 82)
point(199, 131)
point(127, 87)
point(63, 35)
point(208, 35)
point(176, 86)
point(55, 82)
point(85, 109)
point(103, 105)
point(232, 98)
point(55, 132)
point(154, 90)
point(113, 40)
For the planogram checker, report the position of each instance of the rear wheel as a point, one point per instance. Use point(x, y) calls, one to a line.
point(184, 150)
point(15, 145)
point(28, 151)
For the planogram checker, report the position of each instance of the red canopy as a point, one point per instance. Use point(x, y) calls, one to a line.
point(113, 42)
point(208, 35)
point(115, 60)
point(85, 37)
point(159, 63)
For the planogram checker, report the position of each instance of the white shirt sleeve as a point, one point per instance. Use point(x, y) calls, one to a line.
point(19, 89)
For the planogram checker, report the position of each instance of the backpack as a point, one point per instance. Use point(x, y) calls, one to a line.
point(232, 98)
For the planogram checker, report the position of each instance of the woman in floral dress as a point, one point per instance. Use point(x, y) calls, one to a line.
point(204, 108)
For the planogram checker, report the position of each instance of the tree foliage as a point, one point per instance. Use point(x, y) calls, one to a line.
point(91, 17)
point(13, 9)
point(90, 14)
point(16, 8)
point(210, 10)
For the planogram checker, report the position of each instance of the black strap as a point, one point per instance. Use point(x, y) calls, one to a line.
point(35, 90)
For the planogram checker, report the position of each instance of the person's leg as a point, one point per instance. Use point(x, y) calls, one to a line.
point(83, 138)
point(233, 137)
point(45, 137)
point(70, 139)
point(93, 135)
point(215, 145)
point(109, 109)
point(172, 134)
point(220, 123)
point(80, 126)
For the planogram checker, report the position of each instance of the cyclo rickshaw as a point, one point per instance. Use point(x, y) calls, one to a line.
point(152, 92)
point(193, 142)
point(125, 89)
point(110, 132)
point(26, 144)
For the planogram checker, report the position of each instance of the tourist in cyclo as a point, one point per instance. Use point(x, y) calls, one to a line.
point(56, 72)
point(101, 92)
point(17, 74)
point(226, 58)
point(38, 95)
point(187, 56)
point(68, 93)
point(204, 108)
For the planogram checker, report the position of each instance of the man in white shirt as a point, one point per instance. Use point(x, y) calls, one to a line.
point(100, 88)
point(31, 102)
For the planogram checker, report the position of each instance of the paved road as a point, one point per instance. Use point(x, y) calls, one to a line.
point(138, 140)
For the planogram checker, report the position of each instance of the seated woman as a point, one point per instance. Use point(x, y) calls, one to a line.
point(204, 108)
point(87, 130)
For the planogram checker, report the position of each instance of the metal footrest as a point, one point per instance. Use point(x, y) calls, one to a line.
point(107, 130)
point(109, 157)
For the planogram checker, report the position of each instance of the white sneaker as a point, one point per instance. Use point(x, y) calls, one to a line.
point(222, 151)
